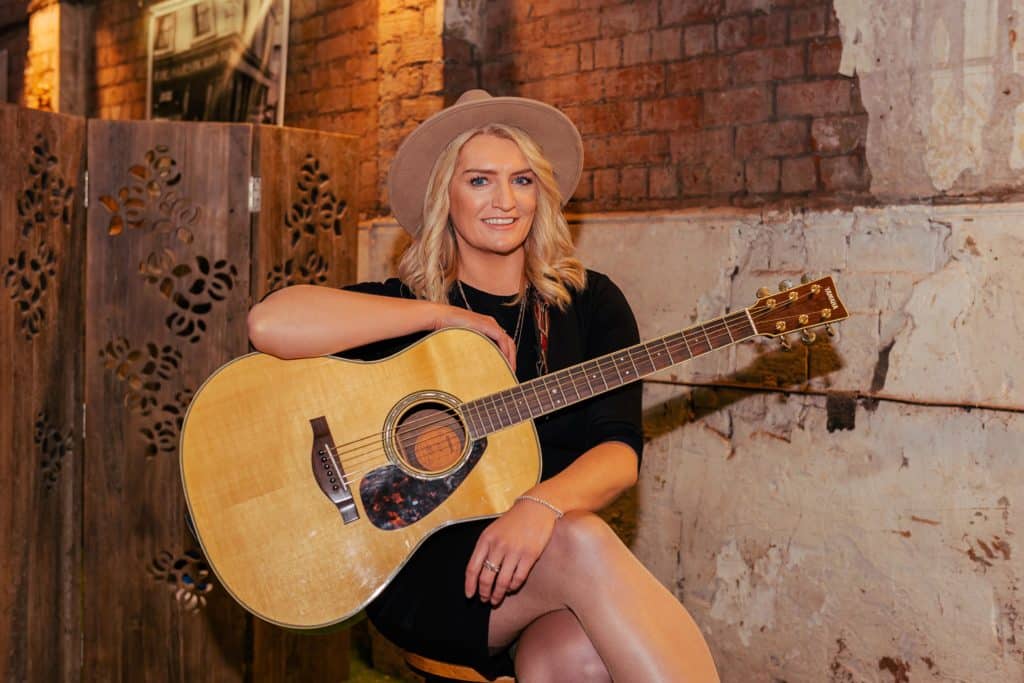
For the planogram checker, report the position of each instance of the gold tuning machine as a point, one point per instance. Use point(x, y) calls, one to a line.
point(762, 292)
point(808, 337)
point(805, 278)
point(786, 346)
point(831, 331)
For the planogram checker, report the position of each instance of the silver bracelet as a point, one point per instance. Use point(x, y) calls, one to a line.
point(549, 506)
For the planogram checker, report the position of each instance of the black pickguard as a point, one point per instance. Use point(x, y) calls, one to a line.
point(394, 499)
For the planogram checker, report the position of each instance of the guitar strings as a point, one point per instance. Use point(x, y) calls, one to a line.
point(413, 429)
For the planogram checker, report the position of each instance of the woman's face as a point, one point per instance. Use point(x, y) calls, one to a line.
point(493, 197)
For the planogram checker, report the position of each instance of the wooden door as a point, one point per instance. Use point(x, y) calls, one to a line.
point(41, 249)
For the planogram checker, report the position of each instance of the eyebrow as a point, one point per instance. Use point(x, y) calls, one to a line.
point(484, 171)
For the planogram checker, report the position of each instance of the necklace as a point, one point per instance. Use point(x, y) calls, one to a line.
point(519, 322)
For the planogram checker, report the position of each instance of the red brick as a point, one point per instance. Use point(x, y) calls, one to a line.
point(350, 17)
point(696, 181)
point(542, 8)
point(807, 23)
point(636, 48)
point(606, 182)
point(839, 134)
point(725, 177)
point(697, 146)
point(577, 88)
point(823, 57)
point(608, 53)
point(799, 175)
point(774, 139)
point(743, 105)
point(633, 182)
point(306, 30)
point(572, 28)
point(699, 40)
point(733, 34)
point(619, 150)
point(604, 119)
point(664, 182)
point(586, 56)
point(585, 188)
point(697, 75)
point(768, 30)
point(688, 11)
point(762, 176)
point(553, 61)
point(667, 45)
point(744, 7)
point(816, 98)
point(674, 113)
point(647, 80)
point(768, 64)
point(843, 173)
point(632, 17)
point(400, 22)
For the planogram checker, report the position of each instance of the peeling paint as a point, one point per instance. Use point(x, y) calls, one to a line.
point(899, 669)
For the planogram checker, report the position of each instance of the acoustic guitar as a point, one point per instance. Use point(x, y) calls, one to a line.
point(311, 482)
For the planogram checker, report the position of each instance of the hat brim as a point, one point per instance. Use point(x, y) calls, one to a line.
point(558, 138)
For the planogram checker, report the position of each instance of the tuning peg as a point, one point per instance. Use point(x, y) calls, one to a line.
point(762, 292)
point(805, 278)
point(831, 331)
point(785, 284)
point(786, 346)
point(807, 337)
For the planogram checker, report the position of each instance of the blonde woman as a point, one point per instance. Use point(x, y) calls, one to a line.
point(547, 588)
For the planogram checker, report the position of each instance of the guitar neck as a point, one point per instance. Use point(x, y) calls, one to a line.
point(579, 382)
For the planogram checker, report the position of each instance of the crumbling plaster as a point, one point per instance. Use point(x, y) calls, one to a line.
point(942, 83)
point(872, 546)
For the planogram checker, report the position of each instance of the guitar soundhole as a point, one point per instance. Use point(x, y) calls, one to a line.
point(430, 438)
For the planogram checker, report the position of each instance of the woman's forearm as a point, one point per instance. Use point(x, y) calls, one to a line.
point(593, 480)
point(306, 320)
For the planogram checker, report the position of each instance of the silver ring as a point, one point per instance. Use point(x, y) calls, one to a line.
point(493, 567)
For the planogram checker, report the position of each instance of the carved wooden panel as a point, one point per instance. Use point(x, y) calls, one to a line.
point(305, 233)
point(167, 292)
point(41, 252)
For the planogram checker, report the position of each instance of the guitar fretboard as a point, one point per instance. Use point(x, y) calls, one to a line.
point(579, 382)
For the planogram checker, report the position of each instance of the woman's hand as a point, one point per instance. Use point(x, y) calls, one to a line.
point(512, 543)
point(453, 316)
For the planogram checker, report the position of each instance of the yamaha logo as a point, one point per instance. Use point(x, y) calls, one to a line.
point(831, 298)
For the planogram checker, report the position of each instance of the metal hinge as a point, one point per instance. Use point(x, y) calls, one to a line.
point(85, 188)
point(255, 194)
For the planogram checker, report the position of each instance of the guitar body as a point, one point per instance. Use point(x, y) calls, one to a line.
point(264, 440)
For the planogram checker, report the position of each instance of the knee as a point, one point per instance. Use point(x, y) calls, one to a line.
point(584, 535)
point(568, 657)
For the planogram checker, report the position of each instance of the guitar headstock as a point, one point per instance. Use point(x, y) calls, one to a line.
point(811, 304)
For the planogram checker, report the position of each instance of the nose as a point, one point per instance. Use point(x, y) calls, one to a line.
point(503, 198)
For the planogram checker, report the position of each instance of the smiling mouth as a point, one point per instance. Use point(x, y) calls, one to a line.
point(499, 221)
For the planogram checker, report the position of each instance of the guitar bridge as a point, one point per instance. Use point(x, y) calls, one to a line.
point(328, 471)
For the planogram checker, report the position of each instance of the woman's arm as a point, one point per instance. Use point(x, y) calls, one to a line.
point(517, 538)
point(304, 321)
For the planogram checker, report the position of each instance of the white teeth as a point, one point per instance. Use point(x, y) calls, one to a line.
point(499, 221)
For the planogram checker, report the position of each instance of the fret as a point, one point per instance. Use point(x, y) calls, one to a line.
point(487, 415)
point(479, 417)
point(667, 351)
point(556, 394)
point(688, 349)
point(615, 366)
point(585, 377)
point(646, 365)
point(732, 340)
point(629, 355)
point(518, 402)
point(704, 329)
point(501, 405)
point(572, 380)
point(594, 373)
point(538, 395)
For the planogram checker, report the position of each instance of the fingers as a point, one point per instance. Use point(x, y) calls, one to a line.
point(503, 580)
point(475, 567)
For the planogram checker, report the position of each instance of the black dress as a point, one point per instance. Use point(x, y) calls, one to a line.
point(424, 609)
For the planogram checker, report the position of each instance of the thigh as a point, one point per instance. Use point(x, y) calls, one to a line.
point(554, 646)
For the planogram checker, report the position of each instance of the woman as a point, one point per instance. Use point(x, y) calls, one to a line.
point(491, 251)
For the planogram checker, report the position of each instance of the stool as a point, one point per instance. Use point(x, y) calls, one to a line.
point(434, 671)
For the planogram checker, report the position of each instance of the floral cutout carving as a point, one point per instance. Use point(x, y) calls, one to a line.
point(310, 270)
point(317, 207)
point(193, 289)
point(55, 445)
point(143, 371)
point(46, 200)
point(187, 576)
point(151, 199)
point(162, 435)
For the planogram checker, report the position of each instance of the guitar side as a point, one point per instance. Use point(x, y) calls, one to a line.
point(274, 539)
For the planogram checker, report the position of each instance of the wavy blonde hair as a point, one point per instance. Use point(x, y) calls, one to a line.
point(429, 265)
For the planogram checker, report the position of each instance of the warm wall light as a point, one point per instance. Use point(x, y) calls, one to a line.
point(41, 81)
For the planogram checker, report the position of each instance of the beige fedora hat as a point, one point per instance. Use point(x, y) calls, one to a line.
point(550, 129)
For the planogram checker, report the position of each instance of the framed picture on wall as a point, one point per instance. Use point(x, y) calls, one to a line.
point(217, 60)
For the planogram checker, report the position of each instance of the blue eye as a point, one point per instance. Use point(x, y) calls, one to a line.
point(523, 180)
point(477, 180)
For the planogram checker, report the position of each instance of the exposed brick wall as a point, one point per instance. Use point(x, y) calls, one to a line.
point(120, 60)
point(689, 101)
point(14, 39)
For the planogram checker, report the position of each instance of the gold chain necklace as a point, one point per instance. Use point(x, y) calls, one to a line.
point(519, 322)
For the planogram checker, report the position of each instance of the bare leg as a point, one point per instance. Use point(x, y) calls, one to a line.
point(555, 647)
point(638, 628)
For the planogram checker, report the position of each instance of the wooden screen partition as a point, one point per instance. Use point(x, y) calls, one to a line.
point(305, 234)
point(41, 248)
point(179, 245)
